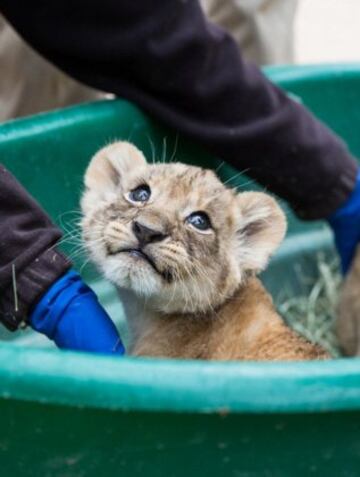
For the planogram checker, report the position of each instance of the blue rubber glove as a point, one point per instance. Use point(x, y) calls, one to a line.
point(345, 223)
point(70, 315)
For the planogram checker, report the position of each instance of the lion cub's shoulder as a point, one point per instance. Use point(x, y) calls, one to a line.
point(253, 330)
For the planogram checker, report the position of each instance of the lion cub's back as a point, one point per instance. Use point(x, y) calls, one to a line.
point(251, 329)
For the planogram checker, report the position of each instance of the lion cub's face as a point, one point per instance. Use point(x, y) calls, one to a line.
point(173, 233)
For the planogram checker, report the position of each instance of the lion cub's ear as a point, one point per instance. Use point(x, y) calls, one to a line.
point(261, 226)
point(111, 164)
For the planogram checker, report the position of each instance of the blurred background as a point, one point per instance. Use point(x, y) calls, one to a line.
point(327, 31)
point(267, 31)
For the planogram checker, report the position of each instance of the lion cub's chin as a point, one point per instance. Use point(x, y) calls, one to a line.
point(191, 295)
point(164, 298)
point(142, 280)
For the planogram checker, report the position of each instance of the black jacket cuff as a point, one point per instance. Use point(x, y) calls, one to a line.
point(26, 289)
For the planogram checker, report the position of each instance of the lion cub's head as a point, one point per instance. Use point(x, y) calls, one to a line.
point(173, 233)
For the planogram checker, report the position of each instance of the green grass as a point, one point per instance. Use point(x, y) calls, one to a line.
point(313, 315)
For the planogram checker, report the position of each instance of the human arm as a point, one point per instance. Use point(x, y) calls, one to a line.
point(36, 286)
point(168, 59)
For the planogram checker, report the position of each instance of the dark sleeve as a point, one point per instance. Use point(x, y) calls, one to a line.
point(29, 262)
point(164, 56)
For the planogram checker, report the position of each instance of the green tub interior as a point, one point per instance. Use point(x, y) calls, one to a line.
point(75, 414)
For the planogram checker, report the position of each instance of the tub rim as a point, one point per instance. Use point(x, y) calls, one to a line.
point(144, 384)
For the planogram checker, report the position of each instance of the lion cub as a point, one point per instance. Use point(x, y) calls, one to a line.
point(184, 251)
point(348, 320)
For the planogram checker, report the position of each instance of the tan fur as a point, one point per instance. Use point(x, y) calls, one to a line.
point(247, 327)
point(199, 297)
point(348, 320)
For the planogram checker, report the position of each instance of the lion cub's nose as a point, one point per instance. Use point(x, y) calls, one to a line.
point(145, 234)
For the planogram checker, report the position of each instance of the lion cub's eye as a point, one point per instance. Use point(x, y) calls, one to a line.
point(141, 193)
point(199, 220)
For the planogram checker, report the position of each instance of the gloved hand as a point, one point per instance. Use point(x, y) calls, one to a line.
point(69, 314)
point(345, 223)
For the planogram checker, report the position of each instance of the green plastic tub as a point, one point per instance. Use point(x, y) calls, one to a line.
point(72, 414)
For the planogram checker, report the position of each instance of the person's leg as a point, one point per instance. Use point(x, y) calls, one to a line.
point(29, 84)
point(264, 29)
